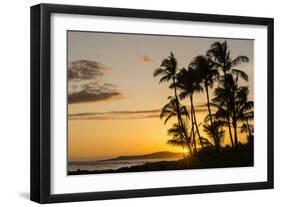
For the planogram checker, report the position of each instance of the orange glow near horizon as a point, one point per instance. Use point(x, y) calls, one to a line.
point(115, 138)
point(99, 139)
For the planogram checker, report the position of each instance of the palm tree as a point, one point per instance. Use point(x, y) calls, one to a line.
point(216, 128)
point(169, 111)
point(239, 109)
point(177, 137)
point(168, 71)
point(220, 101)
point(221, 115)
point(220, 55)
point(245, 110)
point(208, 73)
point(233, 101)
point(188, 85)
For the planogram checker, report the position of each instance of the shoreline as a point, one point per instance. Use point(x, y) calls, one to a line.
point(200, 160)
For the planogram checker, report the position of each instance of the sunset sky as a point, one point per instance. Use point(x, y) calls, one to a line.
point(114, 101)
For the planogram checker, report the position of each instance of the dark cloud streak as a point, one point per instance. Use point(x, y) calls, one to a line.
point(85, 70)
point(93, 92)
point(126, 114)
point(112, 115)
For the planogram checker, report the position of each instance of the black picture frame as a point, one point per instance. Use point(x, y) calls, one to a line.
point(41, 95)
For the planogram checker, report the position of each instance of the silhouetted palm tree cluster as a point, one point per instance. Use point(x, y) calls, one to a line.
point(231, 108)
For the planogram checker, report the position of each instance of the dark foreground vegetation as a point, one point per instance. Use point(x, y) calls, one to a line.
point(227, 157)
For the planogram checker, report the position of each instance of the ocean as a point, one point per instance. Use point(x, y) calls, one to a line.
point(111, 164)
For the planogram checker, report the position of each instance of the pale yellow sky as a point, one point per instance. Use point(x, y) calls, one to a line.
point(114, 100)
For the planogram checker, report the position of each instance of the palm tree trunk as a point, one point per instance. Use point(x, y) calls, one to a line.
point(235, 134)
point(250, 139)
point(180, 118)
point(211, 119)
point(197, 128)
point(249, 128)
point(230, 133)
point(185, 135)
point(192, 121)
point(235, 129)
point(234, 120)
point(228, 116)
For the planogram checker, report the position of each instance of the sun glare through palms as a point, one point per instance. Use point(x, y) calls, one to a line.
point(185, 151)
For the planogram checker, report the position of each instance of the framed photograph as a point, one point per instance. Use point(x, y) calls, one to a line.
point(132, 103)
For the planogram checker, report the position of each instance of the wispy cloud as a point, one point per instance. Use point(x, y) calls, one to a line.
point(203, 107)
point(85, 70)
point(200, 110)
point(125, 114)
point(144, 57)
point(93, 92)
point(85, 85)
point(136, 114)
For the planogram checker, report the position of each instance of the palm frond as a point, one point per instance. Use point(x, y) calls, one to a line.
point(174, 142)
point(159, 71)
point(240, 74)
point(168, 118)
point(164, 79)
point(239, 59)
